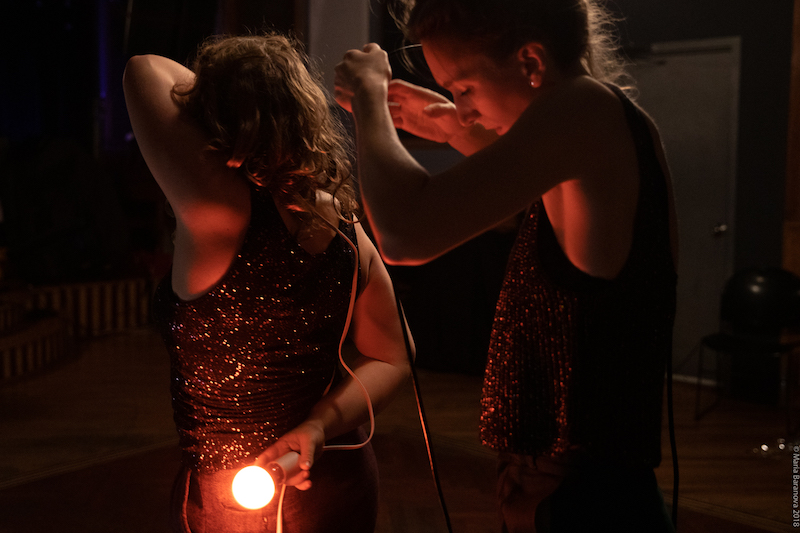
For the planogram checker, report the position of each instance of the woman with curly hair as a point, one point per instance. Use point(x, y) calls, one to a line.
point(269, 270)
point(572, 394)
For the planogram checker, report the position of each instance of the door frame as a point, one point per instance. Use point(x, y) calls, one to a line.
point(791, 224)
point(685, 354)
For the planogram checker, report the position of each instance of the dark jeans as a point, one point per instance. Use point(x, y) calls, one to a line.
point(343, 498)
point(544, 496)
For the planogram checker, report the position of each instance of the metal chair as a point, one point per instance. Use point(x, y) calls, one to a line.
point(757, 308)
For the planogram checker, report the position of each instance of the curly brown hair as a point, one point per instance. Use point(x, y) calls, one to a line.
point(263, 105)
point(571, 30)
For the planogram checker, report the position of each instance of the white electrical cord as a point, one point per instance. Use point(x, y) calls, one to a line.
point(348, 319)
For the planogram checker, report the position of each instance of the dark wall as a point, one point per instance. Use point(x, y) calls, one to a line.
point(766, 32)
point(51, 73)
point(172, 28)
point(77, 201)
point(47, 76)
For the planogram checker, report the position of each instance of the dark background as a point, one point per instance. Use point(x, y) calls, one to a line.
point(766, 32)
point(79, 204)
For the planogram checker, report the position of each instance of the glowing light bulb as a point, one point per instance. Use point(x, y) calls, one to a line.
point(253, 487)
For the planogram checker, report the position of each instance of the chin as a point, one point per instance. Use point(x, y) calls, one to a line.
point(500, 130)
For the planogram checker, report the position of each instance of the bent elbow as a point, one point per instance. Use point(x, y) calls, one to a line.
point(135, 77)
point(141, 71)
point(402, 251)
point(132, 67)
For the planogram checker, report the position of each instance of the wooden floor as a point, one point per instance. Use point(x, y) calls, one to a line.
point(89, 447)
point(725, 476)
point(727, 483)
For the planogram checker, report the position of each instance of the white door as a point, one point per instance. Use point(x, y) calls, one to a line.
point(691, 89)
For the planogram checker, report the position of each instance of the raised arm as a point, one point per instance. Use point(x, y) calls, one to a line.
point(210, 202)
point(416, 217)
point(168, 142)
point(172, 144)
point(429, 115)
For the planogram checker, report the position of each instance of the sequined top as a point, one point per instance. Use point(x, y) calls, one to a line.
point(576, 363)
point(250, 358)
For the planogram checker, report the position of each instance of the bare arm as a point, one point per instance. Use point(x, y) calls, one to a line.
point(210, 202)
point(429, 115)
point(172, 144)
point(417, 217)
point(381, 365)
point(168, 142)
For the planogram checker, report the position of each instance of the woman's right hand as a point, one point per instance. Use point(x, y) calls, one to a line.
point(423, 112)
point(367, 68)
point(308, 440)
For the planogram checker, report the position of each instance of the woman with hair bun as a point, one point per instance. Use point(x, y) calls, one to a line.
point(572, 394)
point(270, 268)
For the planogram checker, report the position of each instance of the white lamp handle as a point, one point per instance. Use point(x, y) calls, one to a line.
point(284, 467)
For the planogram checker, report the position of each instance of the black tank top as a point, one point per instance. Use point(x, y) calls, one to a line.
point(250, 358)
point(576, 363)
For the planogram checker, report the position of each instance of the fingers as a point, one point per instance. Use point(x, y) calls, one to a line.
point(438, 110)
point(368, 67)
point(343, 98)
point(370, 52)
point(307, 441)
point(298, 477)
point(342, 92)
point(397, 121)
point(308, 453)
point(279, 449)
point(303, 485)
point(402, 91)
point(301, 479)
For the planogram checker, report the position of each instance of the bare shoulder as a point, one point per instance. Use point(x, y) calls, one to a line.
point(576, 130)
point(329, 209)
point(607, 136)
point(367, 253)
point(601, 108)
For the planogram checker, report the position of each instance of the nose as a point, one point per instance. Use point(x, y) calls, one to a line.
point(467, 115)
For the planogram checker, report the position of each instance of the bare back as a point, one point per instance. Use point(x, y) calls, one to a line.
point(210, 200)
point(204, 253)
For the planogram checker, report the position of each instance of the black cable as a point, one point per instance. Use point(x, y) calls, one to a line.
point(432, 459)
point(422, 418)
point(673, 446)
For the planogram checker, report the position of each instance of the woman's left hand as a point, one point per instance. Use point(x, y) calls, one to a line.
point(361, 70)
point(307, 439)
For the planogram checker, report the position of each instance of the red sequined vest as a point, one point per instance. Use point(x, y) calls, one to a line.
point(577, 363)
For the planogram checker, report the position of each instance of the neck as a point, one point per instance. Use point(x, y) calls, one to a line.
point(571, 72)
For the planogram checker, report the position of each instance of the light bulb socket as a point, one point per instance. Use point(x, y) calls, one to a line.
point(284, 467)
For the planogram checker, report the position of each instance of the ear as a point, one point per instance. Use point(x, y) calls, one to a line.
point(532, 58)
